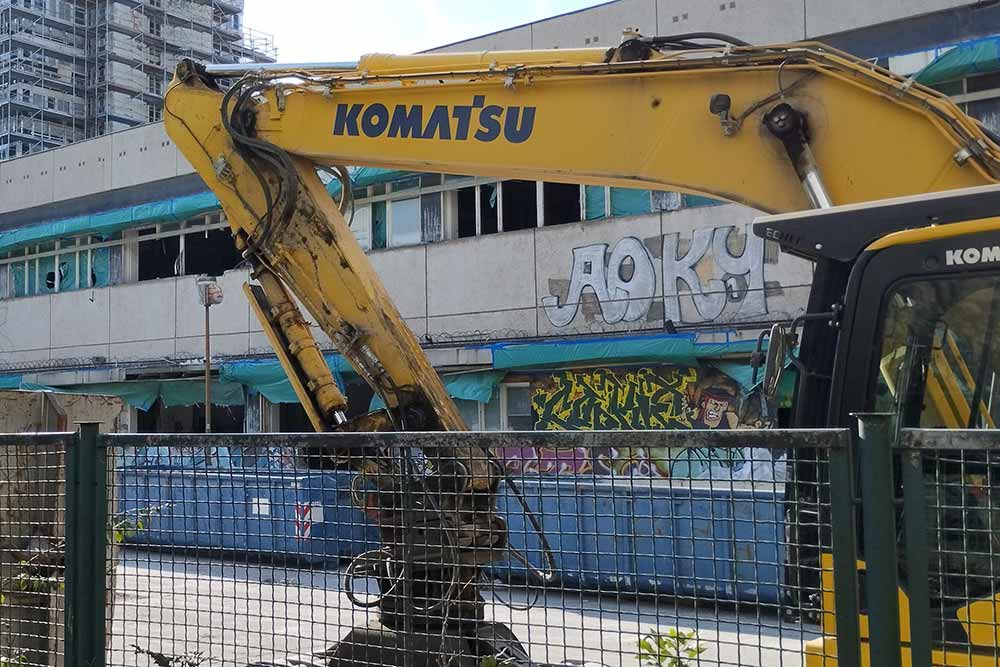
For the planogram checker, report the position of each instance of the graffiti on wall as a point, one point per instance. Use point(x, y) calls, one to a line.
point(648, 398)
point(716, 274)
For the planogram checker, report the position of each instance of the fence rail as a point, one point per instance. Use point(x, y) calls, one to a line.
point(626, 549)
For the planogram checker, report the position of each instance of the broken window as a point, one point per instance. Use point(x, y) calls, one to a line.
point(466, 212)
point(488, 208)
point(520, 205)
point(665, 201)
point(379, 218)
point(562, 203)
point(210, 252)
point(431, 222)
point(158, 257)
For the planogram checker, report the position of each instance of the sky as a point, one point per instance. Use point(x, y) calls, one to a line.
point(343, 30)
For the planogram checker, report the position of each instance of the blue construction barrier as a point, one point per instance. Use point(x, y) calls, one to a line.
point(608, 535)
point(297, 515)
point(652, 537)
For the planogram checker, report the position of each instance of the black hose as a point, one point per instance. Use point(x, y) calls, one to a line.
point(535, 523)
point(685, 37)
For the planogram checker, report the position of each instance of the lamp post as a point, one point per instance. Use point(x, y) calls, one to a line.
point(209, 294)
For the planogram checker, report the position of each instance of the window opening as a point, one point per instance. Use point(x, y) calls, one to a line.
point(210, 252)
point(562, 203)
point(466, 212)
point(488, 205)
point(520, 205)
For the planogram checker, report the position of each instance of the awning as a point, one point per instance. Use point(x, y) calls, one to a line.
point(981, 56)
point(267, 376)
point(681, 349)
point(142, 394)
point(469, 386)
point(176, 209)
point(108, 222)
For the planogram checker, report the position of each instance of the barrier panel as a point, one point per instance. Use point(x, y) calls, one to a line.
point(479, 549)
point(33, 492)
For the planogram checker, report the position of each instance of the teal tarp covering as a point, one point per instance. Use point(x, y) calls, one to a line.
point(365, 176)
point(472, 386)
point(267, 377)
point(107, 222)
point(697, 201)
point(626, 201)
point(980, 56)
point(10, 382)
point(192, 392)
point(670, 348)
point(595, 204)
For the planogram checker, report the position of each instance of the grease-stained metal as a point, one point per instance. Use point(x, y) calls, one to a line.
point(950, 439)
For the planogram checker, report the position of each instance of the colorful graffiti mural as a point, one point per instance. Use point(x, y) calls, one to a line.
point(647, 398)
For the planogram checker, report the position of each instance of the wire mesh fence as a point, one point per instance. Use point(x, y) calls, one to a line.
point(948, 529)
point(32, 549)
point(653, 549)
point(611, 548)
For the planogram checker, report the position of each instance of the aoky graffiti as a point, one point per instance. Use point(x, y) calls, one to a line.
point(624, 282)
point(704, 283)
point(738, 285)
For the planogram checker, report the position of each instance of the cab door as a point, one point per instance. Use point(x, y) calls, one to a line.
point(922, 341)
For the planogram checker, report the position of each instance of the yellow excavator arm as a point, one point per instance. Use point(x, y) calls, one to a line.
point(778, 128)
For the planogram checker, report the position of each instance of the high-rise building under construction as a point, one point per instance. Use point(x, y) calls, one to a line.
point(75, 69)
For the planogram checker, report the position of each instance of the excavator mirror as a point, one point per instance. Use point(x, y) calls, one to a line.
point(774, 365)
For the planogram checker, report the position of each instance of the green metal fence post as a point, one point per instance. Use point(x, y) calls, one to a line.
point(845, 557)
point(86, 543)
point(879, 519)
point(917, 567)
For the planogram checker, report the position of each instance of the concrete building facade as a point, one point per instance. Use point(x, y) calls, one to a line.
point(74, 69)
point(547, 289)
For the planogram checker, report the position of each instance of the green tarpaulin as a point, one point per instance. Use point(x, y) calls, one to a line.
point(365, 176)
point(267, 377)
point(683, 349)
point(742, 372)
point(10, 381)
point(471, 386)
point(108, 222)
point(594, 202)
point(192, 392)
point(627, 201)
point(981, 56)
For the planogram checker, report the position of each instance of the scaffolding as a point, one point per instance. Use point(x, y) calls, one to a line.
point(75, 69)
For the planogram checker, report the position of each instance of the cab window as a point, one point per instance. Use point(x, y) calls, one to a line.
point(940, 355)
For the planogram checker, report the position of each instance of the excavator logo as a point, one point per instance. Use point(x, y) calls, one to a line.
point(478, 120)
point(962, 256)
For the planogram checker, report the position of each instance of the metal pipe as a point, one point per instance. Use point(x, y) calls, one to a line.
point(815, 189)
point(239, 69)
point(208, 365)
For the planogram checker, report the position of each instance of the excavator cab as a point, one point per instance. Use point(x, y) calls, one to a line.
point(919, 338)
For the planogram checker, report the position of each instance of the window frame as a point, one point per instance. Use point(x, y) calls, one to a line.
point(501, 395)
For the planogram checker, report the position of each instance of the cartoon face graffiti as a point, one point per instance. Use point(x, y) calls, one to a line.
point(715, 409)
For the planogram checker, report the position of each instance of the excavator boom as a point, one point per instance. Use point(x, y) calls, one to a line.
point(778, 128)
